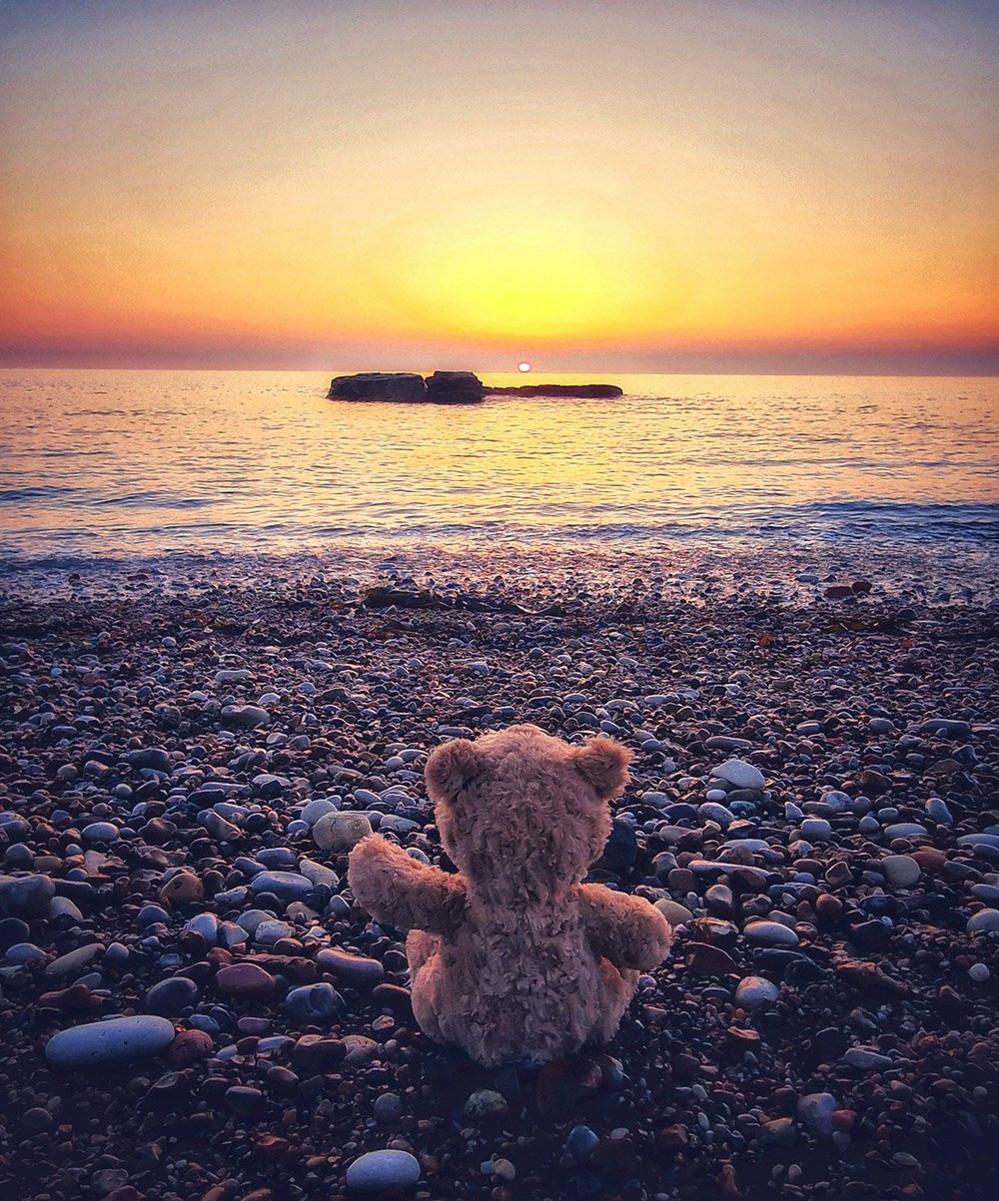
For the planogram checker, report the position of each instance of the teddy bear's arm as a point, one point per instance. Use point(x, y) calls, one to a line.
point(628, 931)
point(401, 892)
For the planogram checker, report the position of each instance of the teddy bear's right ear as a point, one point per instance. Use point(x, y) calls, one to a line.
point(450, 768)
point(603, 763)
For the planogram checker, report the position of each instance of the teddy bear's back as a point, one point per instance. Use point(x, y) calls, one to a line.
point(520, 983)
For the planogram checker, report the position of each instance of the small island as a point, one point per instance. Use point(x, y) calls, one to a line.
point(450, 387)
point(585, 391)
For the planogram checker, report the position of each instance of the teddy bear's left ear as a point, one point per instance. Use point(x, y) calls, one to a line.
point(450, 767)
point(603, 763)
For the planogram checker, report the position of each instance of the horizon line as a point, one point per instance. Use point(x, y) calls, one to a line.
point(944, 372)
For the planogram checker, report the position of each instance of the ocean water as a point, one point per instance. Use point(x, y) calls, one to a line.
point(123, 465)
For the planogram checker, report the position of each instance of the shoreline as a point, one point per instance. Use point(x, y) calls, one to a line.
point(170, 724)
point(799, 569)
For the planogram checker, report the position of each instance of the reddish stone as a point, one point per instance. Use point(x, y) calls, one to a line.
point(741, 1040)
point(707, 960)
point(76, 999)
point(182, 889)
point(563, 1083)
point(302, 970)
point(246, 981)
point(930, 859)
point(188, 1047)
point(868, 976)
point(158, 831)
point(314, 1053)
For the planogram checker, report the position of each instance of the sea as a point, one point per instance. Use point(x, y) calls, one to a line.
point(143, 465)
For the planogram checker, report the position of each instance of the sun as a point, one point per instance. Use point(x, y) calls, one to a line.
point(524, 366)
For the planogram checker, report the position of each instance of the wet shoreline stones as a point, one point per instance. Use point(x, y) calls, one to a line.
point(175, 754)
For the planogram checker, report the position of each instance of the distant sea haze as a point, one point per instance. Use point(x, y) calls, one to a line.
point(120, 465)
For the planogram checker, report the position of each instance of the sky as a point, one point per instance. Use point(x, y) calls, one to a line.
point(808, 185)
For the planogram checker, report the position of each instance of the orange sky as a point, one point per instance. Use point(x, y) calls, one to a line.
point(639, 184)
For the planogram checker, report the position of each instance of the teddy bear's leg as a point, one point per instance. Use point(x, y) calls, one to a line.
point(615, 991)
point(420, 946)
point(423, 953)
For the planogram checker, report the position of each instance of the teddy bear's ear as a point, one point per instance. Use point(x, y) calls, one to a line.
point(603, 763)
point(450, 767)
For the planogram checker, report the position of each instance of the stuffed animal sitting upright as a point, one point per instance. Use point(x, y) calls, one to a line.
point(514, 958)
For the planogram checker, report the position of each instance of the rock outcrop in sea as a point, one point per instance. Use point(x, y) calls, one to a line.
point(454, 387)
point(443, 387)
point(379, 385)
point(450, 387)
point(585, 391)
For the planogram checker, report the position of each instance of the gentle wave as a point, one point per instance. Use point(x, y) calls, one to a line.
point(18, 496)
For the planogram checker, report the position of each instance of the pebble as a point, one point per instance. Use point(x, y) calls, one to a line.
point(378, 1171)
point(352, 970)
point(985, 921)
point(902, 871)
point(581, 1143)
point(675, 913)
point(754, 991)
point(289, 886)
point(247, 981)
point(316, 809)
point(74, 962)
point(739, 773)
point(314, 1004)
point(905, 830)
point(815, 1112)
point(816, 829)
point(771, 934)
point(340, 831)
point(100, 832)
point(485, 1103)
point(866, 1060)
point(171, 997)
point(25, 896)
point(116, 1040)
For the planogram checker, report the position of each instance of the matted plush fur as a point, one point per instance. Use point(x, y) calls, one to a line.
point(514, 957)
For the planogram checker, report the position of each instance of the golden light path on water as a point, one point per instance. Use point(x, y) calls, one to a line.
point(100, 462)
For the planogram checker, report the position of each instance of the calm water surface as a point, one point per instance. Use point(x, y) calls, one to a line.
point(119, 464)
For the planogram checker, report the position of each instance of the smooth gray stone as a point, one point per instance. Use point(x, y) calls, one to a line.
point(117, 1040)
point(380, 1170)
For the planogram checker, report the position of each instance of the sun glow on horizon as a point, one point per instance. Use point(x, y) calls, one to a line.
point(353, 182)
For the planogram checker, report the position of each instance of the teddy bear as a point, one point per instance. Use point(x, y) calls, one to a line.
point(513, 958)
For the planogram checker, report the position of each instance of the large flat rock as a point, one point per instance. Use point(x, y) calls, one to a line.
point(379, 385)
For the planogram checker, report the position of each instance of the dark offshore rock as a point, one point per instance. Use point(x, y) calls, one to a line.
point(378, 385)
point(454, 387)
point(584, 391)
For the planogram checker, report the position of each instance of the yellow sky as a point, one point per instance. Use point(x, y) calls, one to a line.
point(450, 184)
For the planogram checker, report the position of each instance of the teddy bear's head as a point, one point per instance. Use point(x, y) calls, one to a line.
point(522, 814)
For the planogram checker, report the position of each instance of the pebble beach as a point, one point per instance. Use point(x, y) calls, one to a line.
point(193, 1008)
